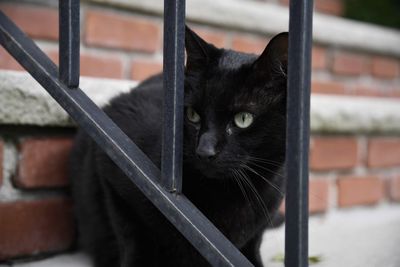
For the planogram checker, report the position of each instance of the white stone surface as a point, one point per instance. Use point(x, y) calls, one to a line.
point(363, 237)
point(354, 114)
point(65, 260)
point(351, 238)
point(24, 101)
point(270, 19)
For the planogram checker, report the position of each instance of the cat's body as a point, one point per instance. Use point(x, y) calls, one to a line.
point(120, 231)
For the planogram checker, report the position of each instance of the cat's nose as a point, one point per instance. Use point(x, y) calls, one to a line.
point(206, 148)
point(208, 152)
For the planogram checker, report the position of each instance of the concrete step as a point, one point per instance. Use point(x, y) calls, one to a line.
point(362, 237)
point(348, 238)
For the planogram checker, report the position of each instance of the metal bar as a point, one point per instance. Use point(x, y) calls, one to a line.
point(200, 232)
point(174, 56)
point(69, 42)
point(298, 131)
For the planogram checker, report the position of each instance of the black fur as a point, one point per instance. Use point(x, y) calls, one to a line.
point(129, 231)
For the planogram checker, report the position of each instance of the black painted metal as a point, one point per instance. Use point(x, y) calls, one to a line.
point(174, 56)
point(298, 132)
point(202, 234)
point(69, 42)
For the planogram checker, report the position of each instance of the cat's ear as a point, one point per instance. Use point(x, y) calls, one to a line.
point(274, 58)
point(198, 51)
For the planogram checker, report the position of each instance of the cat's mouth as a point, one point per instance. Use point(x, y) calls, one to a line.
point(212, 173)
point(212, 170)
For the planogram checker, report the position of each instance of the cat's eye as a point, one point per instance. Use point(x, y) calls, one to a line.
point(243, 119)
point(192, 115)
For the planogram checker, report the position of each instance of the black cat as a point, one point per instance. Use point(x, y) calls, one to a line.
point(234, 149)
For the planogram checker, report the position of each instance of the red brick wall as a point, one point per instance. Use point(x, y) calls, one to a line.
point(342, 174)
point(127, 45)
point(35, 209)
point(35, 226)
point(346, 171)
point(330, 7)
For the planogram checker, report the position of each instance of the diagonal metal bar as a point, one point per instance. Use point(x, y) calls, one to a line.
point(69, 42)
point(200, 232)
point(174, 56)
point(298, 132)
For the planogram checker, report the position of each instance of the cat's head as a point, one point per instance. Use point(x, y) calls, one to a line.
point(235, 106)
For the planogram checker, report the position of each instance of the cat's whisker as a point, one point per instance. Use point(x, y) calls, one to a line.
point(266, 162)
point(265, 168)
point(265, 179)
point(237, 179)
point(239, 176)
point(257, 196)
point(264, 159)
point(273, 162)
point(266, 213)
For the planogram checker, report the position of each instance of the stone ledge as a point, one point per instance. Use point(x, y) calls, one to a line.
point(350, 114)
point(24, 102)
point(270, 18)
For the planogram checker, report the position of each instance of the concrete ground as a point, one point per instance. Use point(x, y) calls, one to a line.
point(349, 238)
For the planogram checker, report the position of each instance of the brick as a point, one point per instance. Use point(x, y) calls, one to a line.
point(112, 30)
point(142, 69)
point(373, 91)
point(383, 67)
point(43, 163)
point(328, 87)
point(216, 38)
point(8, 62)
point(394, 91)
point(53, 55)
point(384, 152)
point(99, 66)
point(37, 22)
point(1, 162)
point(349, 64)
point(319, 58)
point(353, 191)
point(33, 227)
point(394, 189)
point(318, 195)
point(329, 153)
point(284, 2)
point(332, 7)
point(249, 44)
point(96, 66)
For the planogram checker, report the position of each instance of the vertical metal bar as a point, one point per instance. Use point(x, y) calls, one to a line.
point(69, 42)
point(298, 130)
point(174, 55)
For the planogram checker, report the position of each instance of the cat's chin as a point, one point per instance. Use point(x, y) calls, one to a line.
point(211, 172)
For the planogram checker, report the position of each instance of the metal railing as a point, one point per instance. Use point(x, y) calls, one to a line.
point(63, 86)
point(298, 133)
